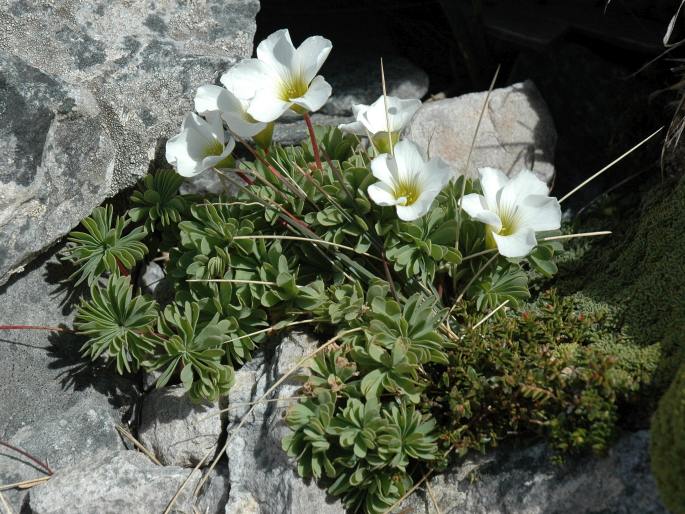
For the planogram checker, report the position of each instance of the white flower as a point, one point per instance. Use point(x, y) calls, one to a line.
point(232, 108)
point(285, 77)
point(513, 210)
point(407, 181)
point(200, 145)
point(371, 120)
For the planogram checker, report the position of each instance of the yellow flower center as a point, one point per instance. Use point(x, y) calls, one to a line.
point(508, 217)
point(407, 192)
point(293, 87)
point(381, 143)
point(213, 148)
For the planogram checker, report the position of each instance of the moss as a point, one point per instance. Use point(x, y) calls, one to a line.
point(639, 274)
point(555, 368)
point(668, 445)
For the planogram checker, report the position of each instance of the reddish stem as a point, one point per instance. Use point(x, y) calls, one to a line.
point(34, 327)
point(124, 272)
point(245, 178)
point(28, 456)
point(312, 137)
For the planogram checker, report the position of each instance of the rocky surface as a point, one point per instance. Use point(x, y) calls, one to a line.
point(263, 479)
point(113, 483)
point(42, 372)
point(179, 432)
point(356, 79)
point(59, 440)
point(294, 130)
point(517, 131)
point(526, 482)
point(88, 93)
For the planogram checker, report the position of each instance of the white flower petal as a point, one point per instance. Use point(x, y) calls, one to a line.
point(410, 160)
point(318, 93)
point(491, 182)
point(477, 207)
point(353, 128)
point(357, 109)
point(240, 125)
point(400, 112)
point(212, 160)
point(210, 98)
point(266, 106)
point(540, 212)
point(518, 244)
point(209, 129)
point(246, 78)
point(373, 117)
point(381, 194)
point(524, 184)
point(419, 208)
point(184, 152)
point(278, 53)
point(384, 168)
point(311, 55)
point(436, 175)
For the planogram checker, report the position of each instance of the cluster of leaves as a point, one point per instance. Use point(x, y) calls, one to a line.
point(305, 243)
point(361, 428)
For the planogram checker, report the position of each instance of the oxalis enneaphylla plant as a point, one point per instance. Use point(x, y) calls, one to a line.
point(356, 233)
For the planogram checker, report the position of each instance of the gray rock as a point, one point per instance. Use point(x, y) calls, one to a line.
point(517, 131)
point(293, 132)
point(113, 483)
point(262, 477)
point(526, 482)
point(207, 182)
point(90, 91)
point(356, 79)
point(55, 160)
point(42, 372)
point(59, 440)
point(179, 432)
point(214, 494)
point(150, 278)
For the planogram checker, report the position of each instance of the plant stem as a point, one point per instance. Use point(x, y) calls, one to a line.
point(34, 327)
point(312, 137)
point(28, 456)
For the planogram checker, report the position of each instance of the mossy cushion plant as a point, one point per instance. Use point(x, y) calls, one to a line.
point(668, 445)
point(391, 255)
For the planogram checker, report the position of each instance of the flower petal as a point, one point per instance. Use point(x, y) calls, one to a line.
point(400, 112)
point(410, 160)
point(381, 194)
point(318, 93)
point(492, 181)
point(476, 206)
point(246, 78)
point(184, 152)
point(214, 98)
point(524, 184)
point(212, 160)
point(209, 129)
point(540, 212)
point(419, 208)
point(278, 53)
point(384, 168)
point(311, 55)
point(518, 244)
point(436, 175)
point(240, 125)
point(353, 128)
point(266, 106)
